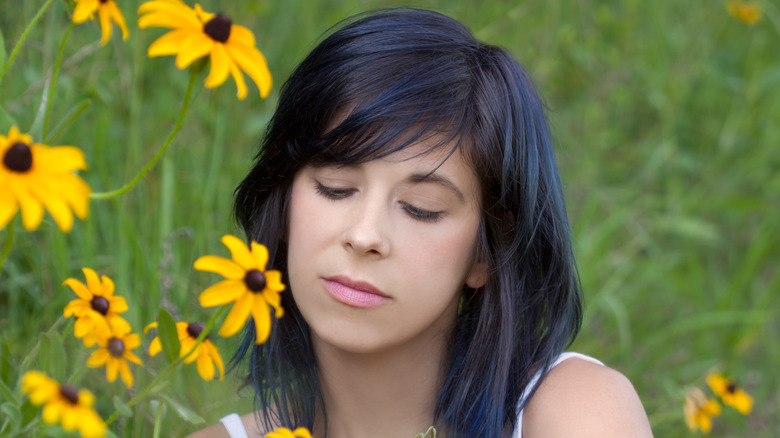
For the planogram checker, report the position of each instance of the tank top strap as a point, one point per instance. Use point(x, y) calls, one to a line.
point(518, 432)
point(234, 426)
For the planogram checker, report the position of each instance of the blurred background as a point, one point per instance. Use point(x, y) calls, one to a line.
point(666, 119)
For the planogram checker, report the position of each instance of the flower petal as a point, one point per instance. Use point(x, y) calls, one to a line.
point(117, 304)
point(105, 25)
point(155, 347)
point(241, 35)
point(254, 64)
point(220, 265)
point(262, 317)
point(93, 282)
point(224, 292)
point(219, 67)
point(196, 46)
point(214, 353)
point(130, 356)
point(8, 207)
point(112, 368)
point(98, 358)
point(79, 289)
point(205, 367)
point(239, 252)
point(237, 316)
point(124, 371)
point(168, 44)
point(84, 10)
point(119, 19)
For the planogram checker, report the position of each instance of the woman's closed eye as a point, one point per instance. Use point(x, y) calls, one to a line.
point(420, 214)
point(416, 213)
point(333, 193)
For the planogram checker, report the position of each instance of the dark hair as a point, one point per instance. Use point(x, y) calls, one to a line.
point(392, 78)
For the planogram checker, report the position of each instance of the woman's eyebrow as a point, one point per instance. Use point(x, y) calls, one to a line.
point(437, 179)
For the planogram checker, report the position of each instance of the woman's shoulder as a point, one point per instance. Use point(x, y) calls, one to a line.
point(580, 398)
point(219, 431)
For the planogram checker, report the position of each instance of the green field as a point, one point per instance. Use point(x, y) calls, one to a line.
point(666, 119)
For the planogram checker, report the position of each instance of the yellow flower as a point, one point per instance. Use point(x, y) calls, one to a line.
point(730, 393)
point(284, 432)
point(247, 283)
point(206, 354)
point(699, 410)
point(115, 353)
point(107, 10)
point(96, 307)
point(34, 176)
point(197, 33)
point(65, 404)
point(747, 12)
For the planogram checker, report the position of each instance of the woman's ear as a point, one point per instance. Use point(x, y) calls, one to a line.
point(477, 275)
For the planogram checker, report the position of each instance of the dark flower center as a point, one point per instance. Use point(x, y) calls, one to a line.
point(731, 387)
point(195, 329)
point(218, 28)
point(116, 347)
point(255, 280)
point(103, 1)
point(70, 394)
point(100, 305)
point(18, 157)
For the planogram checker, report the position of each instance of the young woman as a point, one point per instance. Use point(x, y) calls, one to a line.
point(408, 191)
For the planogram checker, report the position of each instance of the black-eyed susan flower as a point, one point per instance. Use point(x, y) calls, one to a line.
point(107, 11)
point(64, 404)
point(96, 308)
point(115, 353)
point(196, 33)
point(247, 284)
point(730, 393)
point(699, 410)
point(34, 176)
point(284, 432)
point(206, 354)
point(747, 12)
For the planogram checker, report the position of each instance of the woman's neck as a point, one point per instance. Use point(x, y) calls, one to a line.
point(390, 394)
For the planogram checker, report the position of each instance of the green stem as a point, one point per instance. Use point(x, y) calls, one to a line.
point(163, 148)
point(172, 366)
point(24, 37)
point(158, 421)
point(54, 76)
point(8, 243)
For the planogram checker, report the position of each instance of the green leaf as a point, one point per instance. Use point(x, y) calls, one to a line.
point(6, 393)
point(3, 55)
point(184, 412)
point(121, 407)
point(51, 356)
point(11, 411)
point(6, 121)
point(169, 337)
point(70, 117)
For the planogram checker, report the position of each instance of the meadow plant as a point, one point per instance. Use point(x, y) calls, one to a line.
point(35, 178)
point(59, 387)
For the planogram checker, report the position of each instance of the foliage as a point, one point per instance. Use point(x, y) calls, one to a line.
point(666, 127)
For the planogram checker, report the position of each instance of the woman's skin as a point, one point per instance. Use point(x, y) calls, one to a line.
point(378, 256)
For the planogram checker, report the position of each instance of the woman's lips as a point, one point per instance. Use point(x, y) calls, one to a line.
point(354, 293)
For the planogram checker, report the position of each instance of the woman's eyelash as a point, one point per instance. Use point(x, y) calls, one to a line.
point(416, 213)
point(422, 215)
point(330, 192)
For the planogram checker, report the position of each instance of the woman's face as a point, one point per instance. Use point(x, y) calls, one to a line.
point(380, 252)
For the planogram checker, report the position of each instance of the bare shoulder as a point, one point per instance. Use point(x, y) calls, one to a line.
point(219, 431)
point(582, 399)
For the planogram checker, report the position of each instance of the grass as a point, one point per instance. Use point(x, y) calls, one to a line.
point(666, 128)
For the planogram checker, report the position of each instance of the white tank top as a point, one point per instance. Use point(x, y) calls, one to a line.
point(235, 427)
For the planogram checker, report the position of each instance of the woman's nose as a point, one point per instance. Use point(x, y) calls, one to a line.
point(367, 230)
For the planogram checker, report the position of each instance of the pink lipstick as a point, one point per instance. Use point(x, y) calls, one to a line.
point(354, 293)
